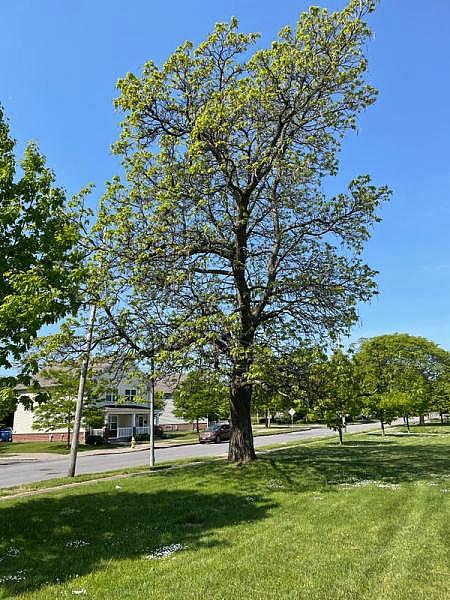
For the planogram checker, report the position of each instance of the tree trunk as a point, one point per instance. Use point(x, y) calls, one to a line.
point(382, 428)
point(241, 448)
point(341, 441)
point(407, 423)
point(421, 419)
point(441, 414)
point(197, 424)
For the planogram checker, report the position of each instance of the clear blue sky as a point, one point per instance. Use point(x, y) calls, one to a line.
point(59, 61)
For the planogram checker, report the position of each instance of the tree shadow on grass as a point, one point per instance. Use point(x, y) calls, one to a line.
point(55, 538)
point(319, 468)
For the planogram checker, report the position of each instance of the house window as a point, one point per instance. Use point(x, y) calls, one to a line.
point(111, 396)
point(130, 395)
point(112, 422)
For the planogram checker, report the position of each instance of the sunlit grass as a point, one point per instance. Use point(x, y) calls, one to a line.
point(368, 520)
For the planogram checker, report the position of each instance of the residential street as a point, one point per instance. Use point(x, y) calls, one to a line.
point(21, 469)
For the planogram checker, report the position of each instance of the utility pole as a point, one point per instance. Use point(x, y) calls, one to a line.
point(151, 402)
point(80, 396)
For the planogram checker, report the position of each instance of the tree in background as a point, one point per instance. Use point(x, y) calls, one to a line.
point(222, 237)
point(40, 265)
point(201, 394)
point(57, 409)
point(398, 372)
point(339, 398)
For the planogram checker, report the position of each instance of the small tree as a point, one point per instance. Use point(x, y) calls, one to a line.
point(340, 398)
point(201, 394)
point(397, 373)
point(57, 407)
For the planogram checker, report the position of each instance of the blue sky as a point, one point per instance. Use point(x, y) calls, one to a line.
point(59, 61)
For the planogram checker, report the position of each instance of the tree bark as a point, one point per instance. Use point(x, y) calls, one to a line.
point(407, 424)
point(341, 441)
point(441, 414)
point(382, 428)
point(421, 419)
point(241, 449)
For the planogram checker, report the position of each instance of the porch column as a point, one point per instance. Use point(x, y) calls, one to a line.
point(133, 423)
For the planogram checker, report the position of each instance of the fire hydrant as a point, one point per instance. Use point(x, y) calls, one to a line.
point(133, 442)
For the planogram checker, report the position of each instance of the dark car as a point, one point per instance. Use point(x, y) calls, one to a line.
point(5, 434)
point(215, 433)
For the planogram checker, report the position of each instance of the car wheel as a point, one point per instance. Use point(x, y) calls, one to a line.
point(218, 439)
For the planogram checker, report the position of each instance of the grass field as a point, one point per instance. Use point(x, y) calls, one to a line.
point(369, 520)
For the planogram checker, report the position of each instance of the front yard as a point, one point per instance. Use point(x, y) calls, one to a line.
point(369, 520)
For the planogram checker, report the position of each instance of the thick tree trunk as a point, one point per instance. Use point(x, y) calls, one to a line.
point(407, 424)
point(241, 448)
point(341, 441)
point(442, 417)
point(382, 428)
point(421, 419)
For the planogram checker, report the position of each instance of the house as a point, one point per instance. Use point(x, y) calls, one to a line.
point(125, 410)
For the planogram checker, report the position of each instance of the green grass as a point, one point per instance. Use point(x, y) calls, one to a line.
point(45, 447)
point(369, 520)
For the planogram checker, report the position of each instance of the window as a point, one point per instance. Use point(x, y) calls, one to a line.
point(111, 396)
point(130, 395)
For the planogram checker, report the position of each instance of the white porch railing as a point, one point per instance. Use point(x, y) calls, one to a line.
point(141, 430)
point(123, 432)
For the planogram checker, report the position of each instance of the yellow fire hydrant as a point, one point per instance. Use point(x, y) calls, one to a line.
point(133, 442)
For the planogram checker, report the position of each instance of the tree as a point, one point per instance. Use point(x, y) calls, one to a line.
point(201, 394)
point(340, 393)
point(222, 233)
point(57, 411)
point(40, 265)
point(398, 372)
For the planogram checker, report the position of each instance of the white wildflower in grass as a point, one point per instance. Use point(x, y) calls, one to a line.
point(79, 592)
point(165, 551)
point(444, 491)
point(249, 498)
point(76, 544)
point(317, 497)
point(118, 487)
point(19, 576)
point(275, 484)
point(69, 511)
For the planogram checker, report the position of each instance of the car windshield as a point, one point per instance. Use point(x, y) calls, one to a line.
point(212, 428)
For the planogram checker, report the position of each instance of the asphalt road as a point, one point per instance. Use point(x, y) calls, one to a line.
point(20, 470)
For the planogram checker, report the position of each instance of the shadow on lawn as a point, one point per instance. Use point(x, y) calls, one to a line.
point(54, 538)
point(306, 467)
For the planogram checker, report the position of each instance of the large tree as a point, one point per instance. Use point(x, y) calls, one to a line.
point(222, 236)
point(40, 265)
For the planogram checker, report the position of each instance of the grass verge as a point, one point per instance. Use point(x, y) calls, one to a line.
point(369, 520)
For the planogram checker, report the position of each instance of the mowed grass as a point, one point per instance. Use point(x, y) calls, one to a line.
point(46, 447)
point(369, 520)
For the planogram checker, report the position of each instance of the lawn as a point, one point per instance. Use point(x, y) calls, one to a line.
point(369, 520)
point(45, 447)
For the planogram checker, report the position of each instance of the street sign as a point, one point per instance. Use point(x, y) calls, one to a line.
point(291, 411)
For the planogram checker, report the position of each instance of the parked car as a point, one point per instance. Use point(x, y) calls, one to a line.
point(215, 433)
point(6, 434)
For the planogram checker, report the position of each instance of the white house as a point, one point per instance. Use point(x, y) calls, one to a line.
point(125, 406)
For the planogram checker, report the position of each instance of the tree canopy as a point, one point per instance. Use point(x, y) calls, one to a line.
point(40, 264)
point(221, 237)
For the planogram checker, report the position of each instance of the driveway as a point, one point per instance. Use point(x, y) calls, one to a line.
point(20, 470)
